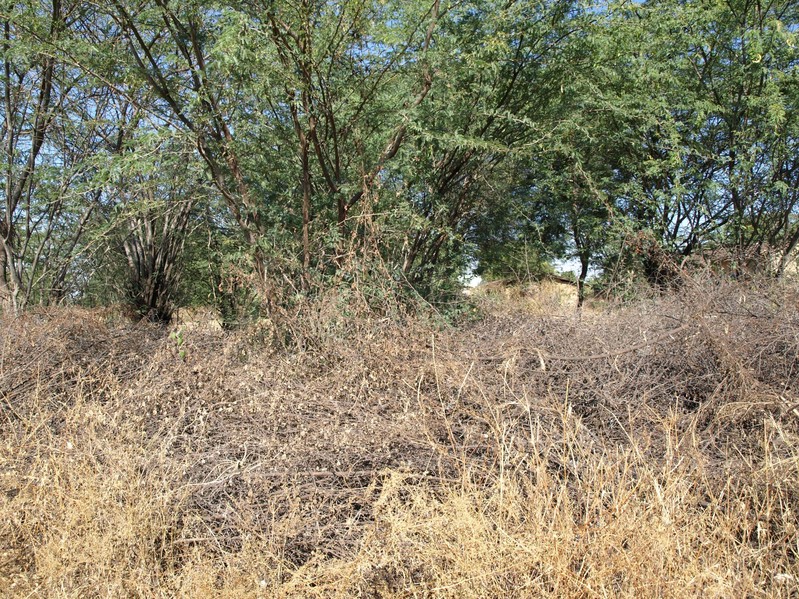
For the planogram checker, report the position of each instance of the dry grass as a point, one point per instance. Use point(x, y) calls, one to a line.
point(647, 450)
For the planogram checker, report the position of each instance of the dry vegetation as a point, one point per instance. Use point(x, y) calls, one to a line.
point(646, 450)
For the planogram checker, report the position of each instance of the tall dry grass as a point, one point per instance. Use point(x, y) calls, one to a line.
point(639, 450)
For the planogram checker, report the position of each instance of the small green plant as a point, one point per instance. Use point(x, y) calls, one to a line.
point(179, 340)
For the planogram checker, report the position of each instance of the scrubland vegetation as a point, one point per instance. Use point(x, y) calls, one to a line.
point(638, 449)
point(236, 355)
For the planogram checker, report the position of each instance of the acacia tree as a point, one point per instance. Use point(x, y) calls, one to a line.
point(340, 60)
point(28, 113)
point(168, 49)
point(720, 158)
point(493, 106)
point(675, 121)
point(575, 126)
point(414, 135)
point(190, 54)
point(154, 191)
point(53, 124)
point(746, 72)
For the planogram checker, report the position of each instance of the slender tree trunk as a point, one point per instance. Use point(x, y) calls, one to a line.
point(584, 263)
point(306, 204)
point(6, 296)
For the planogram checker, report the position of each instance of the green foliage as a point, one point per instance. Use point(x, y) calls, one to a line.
point(256, 157)
point(179, 341)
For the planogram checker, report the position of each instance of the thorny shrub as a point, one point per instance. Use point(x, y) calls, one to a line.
point(645, 449)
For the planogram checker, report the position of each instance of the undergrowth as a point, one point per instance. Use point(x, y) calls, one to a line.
point(639, 450)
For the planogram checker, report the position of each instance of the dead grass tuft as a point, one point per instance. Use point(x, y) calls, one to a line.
point(638, 450)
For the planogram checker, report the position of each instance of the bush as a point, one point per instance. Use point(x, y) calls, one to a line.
point(645, 448)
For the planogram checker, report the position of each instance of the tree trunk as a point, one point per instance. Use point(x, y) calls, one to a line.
point(584, 263)
point(7, 303)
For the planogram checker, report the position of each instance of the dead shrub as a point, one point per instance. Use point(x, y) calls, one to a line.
point(641, 449)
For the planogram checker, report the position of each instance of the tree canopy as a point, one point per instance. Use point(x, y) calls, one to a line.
point(166, 153)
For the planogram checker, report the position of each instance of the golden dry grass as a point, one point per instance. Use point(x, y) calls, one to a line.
point(647, 450)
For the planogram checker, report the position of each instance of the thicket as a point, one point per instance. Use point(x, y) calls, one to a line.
point(647, 448)
point(257, 155)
